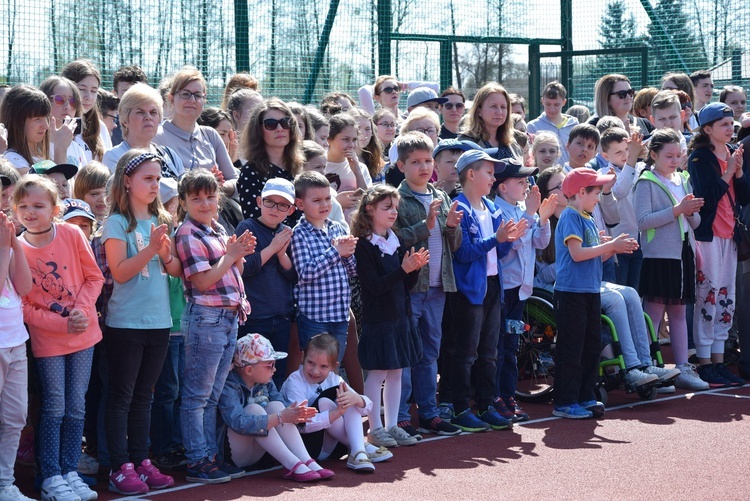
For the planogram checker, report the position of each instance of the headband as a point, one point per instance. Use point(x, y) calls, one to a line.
point(143, 157)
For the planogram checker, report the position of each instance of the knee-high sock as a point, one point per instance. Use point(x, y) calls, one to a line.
point(347, 429)
point(678, 333)
point(373, 385)
point(391, 397)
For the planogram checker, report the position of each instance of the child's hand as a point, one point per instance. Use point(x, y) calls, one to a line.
point(77, 322)
point(745, 119)
point(281, 241)
point(623, 244)
point(346, 398)
point(239, 247)
point(689, 205)
point(603, 237)
point(345, 246)
point(533, 201)
point(159, 239)
point(607, 188)
point(510, 231)
point(218, 174)
point(415, 260)
point(737, 159)
point(432, 213)
point(7, 232)
point(233, 144)
point(454, 216)
point(348, 199)
point(62, 136)
point(635, 146)
point(547, 208)
point(298, 413)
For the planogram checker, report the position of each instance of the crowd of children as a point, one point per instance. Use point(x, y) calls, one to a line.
point(204, 289)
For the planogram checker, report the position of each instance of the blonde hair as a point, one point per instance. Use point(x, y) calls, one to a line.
point(138, 95)
point(44, 183)
point(545, 137)
point(236, 82)
point(362, 219)
point(120, 198)
point(419, 114)
point(642, 101)
point(93, 176)
point(473, 123)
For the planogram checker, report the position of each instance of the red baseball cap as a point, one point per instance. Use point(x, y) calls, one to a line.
point(583, 177)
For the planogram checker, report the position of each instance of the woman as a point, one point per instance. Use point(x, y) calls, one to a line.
point(196, 145)
point(140, 113)
point(221, 121)
point(613, 96)
point(421, 120)
point(488, 124)
point(387, 91)
point(66, 105)
point(272, 141)
point(453, 112)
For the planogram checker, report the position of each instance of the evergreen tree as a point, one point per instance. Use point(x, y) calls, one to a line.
point(617, 31)
point(673, 45)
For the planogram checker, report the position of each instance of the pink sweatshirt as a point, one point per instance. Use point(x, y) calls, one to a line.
point(65, 276)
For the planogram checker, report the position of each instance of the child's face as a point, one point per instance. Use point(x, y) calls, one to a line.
point(364, 128)
point(720, 131)
point(617, 153)
point(514, 189)
point(345, 142)
point(316, 204)
point(279, 210)
point(386, 128)
point(483, 178)
point(36, 210)
point(670, 118)
point(555, 186)
point(738, 102)
point(317, 164)
point(546, 155)
point(553, 107)
point(668, 159)
point(35, 128)
point(518, 108)
point(97, 200)
point(171, 207)
point(108, 117)
point(60, 111)
point(389, 99)
point(63, 186)
point(417, 168)
point(88, 87)
point(321, 136)
point(383, 214)
point(301, 125)
point(143, 184)
point(581, 151)
point(7, 197)
point(201, 207)
point(704, 89)
point(316, 366)
point(84, 223)
point(260, 373)
point(589, 200)
point(445, 165)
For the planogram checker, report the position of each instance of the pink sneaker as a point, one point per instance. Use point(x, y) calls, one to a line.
point(151, 475)
point(125, 481)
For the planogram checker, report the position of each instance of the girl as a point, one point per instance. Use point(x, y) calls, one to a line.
point(545, 150)
point(91, 187)
point(221, 122)
point(139, 255)
point(385, 129)
point(237, 82)
point(66, 107)
point(353, 176)
point(340, 408)
point(386, 92)
point(303, 122)
point(216, 304)
point(320, 127)
point(389, 339)
point(336, 102)
point(369, 150)
point(452, 112)
point(716, 171)
point(240, 105)
point(57, 311)
point(666, 209)
point(254, 414)
point(315, 159)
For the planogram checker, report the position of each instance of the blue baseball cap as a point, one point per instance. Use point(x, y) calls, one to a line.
point(463, 145)
point(279, 186)
point(75, 208)
point(714, 111)
point(471, 156)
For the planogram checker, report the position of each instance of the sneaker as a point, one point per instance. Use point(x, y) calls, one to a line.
point(445, 411)
point(11, 493)
point(467, 421)
point(409, 429)
point(596, 407)
point(662, 373)
point(88, 465)
point(665, 390)
point(519, 414)
point(437, 426)
point(502, 408)
point(723, 371)
point(379, 437)
point(636, 378)
point(378, 454)
point(401, 436)
point(206, 471)
point(689, 379)
point(572, 411)
point(230, 469)
point(151, 475)
point(126, 481)
point(171, 461)
point(80, 488)
point(57, 489)
point(714, 379)
point(495, 420)
point(360, 461)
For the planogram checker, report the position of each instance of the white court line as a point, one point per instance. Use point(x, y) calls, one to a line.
point(717, 392)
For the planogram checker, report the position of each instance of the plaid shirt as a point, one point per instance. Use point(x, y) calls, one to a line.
point(199, 248)
point(101, 261)
point(322, 291)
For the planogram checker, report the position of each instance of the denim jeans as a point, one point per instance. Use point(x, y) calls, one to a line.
point(507, 345)
point(13, 407)
point(628, 269)
point(63, 381)
point(102, 450)
point(307, 328)
point(421, 381)
point(275, 329)
point(165, 410)
point(623, 306)
point(608, 270)
point(210, 337)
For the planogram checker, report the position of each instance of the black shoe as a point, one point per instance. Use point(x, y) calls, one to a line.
point(723, 371)
point(171, 461)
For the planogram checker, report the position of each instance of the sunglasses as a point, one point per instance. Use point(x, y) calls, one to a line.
point(458, 106)
point(280, 206)
point(60, 100)
point(272, 123)
point(622, 94)
point(389, 90)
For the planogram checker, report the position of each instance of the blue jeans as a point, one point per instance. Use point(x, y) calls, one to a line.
point(623, 306)
point(165, 409)
point(63, 381)
point(275, 329)
point(427, 312)
point(628, 269)
point(307, 328)
point(608, 270)
point(507, 346)
point(210, 336)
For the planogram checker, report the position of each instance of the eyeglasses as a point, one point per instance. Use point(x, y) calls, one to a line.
point(449, 106)
point(187, 95)
point(279, 206)
point(387, 125)
point(558, 187)
point(389, 90)
point(272, 123)
point(429, 131)
point(61, 100)
point(270, 364)
point(687, 106)
point(113, 117)
point(622, 94)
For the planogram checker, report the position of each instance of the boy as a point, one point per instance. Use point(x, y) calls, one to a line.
point(426, 219)
point(78, 213)
point(268, 275)
point(485, 240)
point(552, 119)
point(704, 89)
point(579, 256)
point(511, 190)
point(518, 105)
point(445, 156)
point(323, 255)
point(61, 174)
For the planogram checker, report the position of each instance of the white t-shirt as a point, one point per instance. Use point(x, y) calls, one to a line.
point(485, 226)
point(11, 317)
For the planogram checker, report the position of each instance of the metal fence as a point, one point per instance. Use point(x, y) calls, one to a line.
point(302, 49)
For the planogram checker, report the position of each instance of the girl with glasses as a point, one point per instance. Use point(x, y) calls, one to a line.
point(67, 110)
point(385, 129)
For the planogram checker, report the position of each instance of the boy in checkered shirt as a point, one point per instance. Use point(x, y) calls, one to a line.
point(323, 255)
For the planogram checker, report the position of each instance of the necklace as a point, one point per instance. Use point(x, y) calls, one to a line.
point(39, 232)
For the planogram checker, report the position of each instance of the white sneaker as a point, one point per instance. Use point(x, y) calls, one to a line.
point(637, 377)
point(57, 489)
point(11, 493)
point(662, 373)
point(82, 490)
point(665, 390)
point(689, 379)
point(88, 465)
point(380, 437)
point(401, 437)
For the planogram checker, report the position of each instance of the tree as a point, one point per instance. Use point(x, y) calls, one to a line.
point(672, 42)
point(618, 31)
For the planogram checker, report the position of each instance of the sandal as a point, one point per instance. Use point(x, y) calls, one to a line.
point(308, 476)
point(324, 473)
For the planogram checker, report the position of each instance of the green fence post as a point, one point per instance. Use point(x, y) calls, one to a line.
point(241, 36)
point(566, 44)
point(534, 80)
point(385, 27)
point(644, 67)
point(325, 37)
point(446, 64)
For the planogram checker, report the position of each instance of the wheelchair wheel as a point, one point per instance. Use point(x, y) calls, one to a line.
point(647, 393)
point(536, 366)
point(601, 394)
